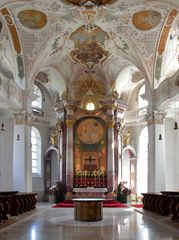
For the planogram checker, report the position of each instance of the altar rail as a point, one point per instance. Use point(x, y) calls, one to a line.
point(15, 203)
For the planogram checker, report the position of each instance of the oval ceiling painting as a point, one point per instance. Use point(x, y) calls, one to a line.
point(146, 20)
point(32, 19)
point(89, 2)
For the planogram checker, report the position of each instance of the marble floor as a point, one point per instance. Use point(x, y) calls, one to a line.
point(48, 223)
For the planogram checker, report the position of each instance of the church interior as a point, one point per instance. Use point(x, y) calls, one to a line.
point(89, 100)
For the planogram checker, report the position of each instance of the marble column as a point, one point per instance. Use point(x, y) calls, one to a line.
point(69, 148)
point(110, 151)
point(22, 162)
point(60, 131)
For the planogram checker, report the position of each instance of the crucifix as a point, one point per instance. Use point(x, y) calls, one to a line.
point(90, 159)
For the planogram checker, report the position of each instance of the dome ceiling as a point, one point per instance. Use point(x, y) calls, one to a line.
point(76, 38)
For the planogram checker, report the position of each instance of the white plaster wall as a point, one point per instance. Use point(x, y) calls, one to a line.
point(22, 163)
point(172, 156)
point(55, 167)
point(160, 167)
point(6, 156)
point(126, 168)
point(38, 181)
point(141, 175)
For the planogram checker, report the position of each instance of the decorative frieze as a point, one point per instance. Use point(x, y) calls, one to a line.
point(23, 118)
point(155, 117)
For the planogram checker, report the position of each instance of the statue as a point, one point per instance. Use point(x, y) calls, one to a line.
point(59, 126)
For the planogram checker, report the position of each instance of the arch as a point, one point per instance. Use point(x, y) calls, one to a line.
point(52, 167)
point(128, 167)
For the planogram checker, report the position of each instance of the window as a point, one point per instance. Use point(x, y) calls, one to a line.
point(37, 103)
point(36, 151)
point(90, 106)
point(141, 101)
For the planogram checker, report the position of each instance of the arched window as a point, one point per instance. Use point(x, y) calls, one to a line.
point(36, 151)
point(141, 101)
point(37, 103)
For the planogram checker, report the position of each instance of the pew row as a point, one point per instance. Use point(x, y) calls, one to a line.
point(164, 203)
point(13, 204)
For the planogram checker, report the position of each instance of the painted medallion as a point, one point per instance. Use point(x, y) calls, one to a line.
point(32, 19)
point(146, 20)
point(90, 131)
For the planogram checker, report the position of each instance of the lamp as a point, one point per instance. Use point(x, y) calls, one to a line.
point(175, 123)
point(2, 124)
point(18, 137)
point(175, 126)
point(2, 127)
point(160, 137)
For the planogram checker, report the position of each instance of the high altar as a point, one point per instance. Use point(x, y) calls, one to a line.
point(89, 145)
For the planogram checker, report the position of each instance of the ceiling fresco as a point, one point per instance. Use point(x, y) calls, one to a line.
point(89, 46)
point(68, 40)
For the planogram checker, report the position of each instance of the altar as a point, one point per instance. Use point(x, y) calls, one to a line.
point(90, 192)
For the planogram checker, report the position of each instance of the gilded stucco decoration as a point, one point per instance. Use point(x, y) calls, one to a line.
point(32, 19)
point(162, 43)
point(146, 20)
point(12, 29)
point(89, 47)
point(42, 77)
point(89, 82)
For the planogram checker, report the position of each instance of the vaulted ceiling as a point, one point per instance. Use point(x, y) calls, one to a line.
point(64, 43)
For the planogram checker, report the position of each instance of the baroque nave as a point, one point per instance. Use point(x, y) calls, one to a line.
point(89, 100)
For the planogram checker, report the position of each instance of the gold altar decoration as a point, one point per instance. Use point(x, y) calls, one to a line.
point(69, 123)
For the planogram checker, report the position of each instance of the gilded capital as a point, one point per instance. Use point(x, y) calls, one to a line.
point(69, 123)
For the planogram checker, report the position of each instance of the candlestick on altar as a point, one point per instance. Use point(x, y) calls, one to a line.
point(99, 177)
point(76, 179)
point(85, 177)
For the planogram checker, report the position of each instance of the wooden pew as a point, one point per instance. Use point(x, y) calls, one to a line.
point(14, 203)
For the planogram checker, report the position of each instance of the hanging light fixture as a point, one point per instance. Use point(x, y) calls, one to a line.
point(2, 124)
point(175, 126)
point(2, 127)
point(175, 123)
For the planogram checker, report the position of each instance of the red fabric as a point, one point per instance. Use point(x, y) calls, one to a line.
point(137, 205)
point(106, 203)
